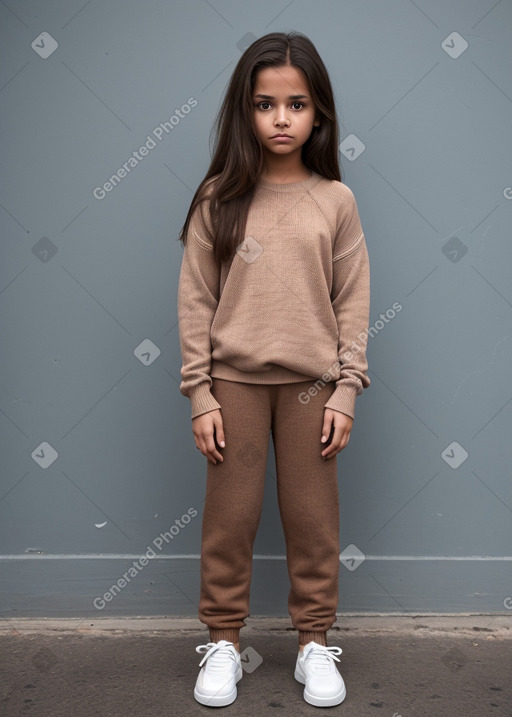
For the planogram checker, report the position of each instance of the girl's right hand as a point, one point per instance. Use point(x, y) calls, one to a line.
point(208, 430)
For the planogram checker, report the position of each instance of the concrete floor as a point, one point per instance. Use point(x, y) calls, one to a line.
point(393, 666)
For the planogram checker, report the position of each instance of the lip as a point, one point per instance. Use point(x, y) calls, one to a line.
point(281, 136)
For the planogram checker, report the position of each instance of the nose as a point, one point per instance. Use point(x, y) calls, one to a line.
point(281, 118)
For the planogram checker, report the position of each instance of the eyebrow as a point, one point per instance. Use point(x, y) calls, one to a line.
point(290, 97)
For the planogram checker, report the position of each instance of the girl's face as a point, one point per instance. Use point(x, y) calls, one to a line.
point(283, 105)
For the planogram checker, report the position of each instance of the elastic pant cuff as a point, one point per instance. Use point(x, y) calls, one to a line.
point(319, 637)
point(231, 634)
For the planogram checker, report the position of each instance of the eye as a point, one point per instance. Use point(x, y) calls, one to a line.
point(265, 102)
point(298, 103)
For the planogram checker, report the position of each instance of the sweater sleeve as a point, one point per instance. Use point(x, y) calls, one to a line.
point(198, 295)
point(350, 296)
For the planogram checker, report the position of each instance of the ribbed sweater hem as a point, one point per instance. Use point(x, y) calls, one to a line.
point(343, 399)
point(277, 374)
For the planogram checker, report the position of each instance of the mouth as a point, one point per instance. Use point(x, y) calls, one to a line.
point(281, 136)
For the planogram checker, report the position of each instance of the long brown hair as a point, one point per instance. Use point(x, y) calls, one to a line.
point(238, 155)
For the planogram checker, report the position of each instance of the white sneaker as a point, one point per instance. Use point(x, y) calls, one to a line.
point(216, 682)
point(315, 668)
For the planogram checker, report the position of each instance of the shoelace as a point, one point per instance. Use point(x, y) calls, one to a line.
point(220, 654)
point(321, 657)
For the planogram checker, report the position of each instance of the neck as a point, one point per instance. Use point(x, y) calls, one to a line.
point(285, 169)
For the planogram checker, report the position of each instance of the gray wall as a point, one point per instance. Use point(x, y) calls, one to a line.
point(97, 458)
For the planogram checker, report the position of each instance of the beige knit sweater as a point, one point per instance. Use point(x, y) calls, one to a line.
point(292, 305)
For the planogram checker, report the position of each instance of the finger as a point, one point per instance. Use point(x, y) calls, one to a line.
point(338, 445)
point(210, 455)
point(212, 452)
point(335, 445)
point(219, 432)
point(203, 443)
point(326, 429)
point(345, 439)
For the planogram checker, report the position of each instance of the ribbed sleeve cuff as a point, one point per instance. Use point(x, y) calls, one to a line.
point(344, 400)
point(202, 400)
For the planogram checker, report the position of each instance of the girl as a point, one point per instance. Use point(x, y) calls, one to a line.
point(273, 308)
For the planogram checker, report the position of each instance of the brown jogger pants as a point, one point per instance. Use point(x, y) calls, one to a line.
point(307, 491)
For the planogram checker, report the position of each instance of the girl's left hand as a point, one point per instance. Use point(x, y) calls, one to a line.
point(342, 427)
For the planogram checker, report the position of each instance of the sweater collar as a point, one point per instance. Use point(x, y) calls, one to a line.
point(290, 186)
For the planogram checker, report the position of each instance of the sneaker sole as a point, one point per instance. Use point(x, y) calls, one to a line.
point(316, 701)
